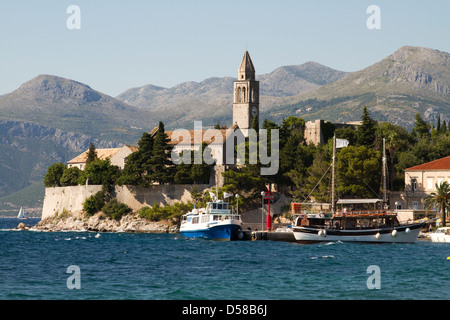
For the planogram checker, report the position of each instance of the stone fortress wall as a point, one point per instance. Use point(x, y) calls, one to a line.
point(71, 199)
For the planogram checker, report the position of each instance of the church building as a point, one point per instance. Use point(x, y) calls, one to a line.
point(246, 96)
point(245, 111)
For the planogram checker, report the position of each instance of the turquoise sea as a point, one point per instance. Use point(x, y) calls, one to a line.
point(37, 266)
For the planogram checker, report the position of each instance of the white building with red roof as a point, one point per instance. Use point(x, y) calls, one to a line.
point(117, 156)
point(420, 182)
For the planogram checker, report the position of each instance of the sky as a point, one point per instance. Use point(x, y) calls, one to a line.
point(126, 44)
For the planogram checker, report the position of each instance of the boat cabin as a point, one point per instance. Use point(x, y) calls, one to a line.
point(214, 212)
point(216, 206)
point(350, 221)
point(353, 215)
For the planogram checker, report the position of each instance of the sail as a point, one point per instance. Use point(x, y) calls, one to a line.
point(21, 214)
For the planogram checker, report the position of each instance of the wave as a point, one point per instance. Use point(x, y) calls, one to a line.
point(323, 257)
point(331, 243)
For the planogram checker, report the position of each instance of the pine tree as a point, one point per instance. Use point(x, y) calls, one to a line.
point(421, 129)
point(53, 176)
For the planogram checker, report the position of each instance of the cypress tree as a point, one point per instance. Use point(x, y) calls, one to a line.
point(92, 154)
point(160, 166)
point(367, 131)
point(255, 124)
point(137, 166)
point(443, 127)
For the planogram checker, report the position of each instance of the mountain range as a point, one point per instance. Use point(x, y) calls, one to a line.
point(211, 99)
point(50, 119)
point(411, 80)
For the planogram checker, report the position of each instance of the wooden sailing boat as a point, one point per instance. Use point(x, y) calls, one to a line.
point(377, 225)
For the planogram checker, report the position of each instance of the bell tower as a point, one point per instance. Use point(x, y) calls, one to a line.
point(246, 95)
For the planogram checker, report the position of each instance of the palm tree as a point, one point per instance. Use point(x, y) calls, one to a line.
point(440, 199)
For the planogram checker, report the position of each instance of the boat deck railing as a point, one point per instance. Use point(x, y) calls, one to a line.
point(366, 213)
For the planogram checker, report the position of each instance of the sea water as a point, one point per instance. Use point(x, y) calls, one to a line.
point(40, 265)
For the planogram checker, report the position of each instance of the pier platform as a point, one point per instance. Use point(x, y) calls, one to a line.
point(269, 235)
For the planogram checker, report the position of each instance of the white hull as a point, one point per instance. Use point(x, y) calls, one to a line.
point(207, 225)
point(403, 234)
point(440, 236)
point(214, 222)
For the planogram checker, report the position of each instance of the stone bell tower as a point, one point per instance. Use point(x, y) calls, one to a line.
point(246, 95)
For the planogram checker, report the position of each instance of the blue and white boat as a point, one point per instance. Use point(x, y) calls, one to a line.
point(216, 221)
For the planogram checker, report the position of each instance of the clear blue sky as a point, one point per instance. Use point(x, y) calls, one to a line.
point(124, 44)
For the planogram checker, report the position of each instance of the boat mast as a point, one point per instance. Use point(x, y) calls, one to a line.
point(333, 202)
point(384, 175)
point(217, 189)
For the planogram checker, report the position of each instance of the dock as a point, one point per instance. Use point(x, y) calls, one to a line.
point(269, 235)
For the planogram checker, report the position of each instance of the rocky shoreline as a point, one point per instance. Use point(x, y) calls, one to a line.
point(101, 223)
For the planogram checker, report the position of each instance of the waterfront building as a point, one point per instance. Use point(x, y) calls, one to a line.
point(117, 156)
point(420, 182)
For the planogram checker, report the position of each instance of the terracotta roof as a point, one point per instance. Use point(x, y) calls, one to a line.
point(192, 135)
point(102, 154)
point(440, 164)
point(132, 148)
point(225, 133)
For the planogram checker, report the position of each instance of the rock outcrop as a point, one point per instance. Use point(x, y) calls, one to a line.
point(101, 223)
point(23, 226)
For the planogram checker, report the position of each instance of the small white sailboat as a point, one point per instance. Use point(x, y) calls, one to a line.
point(21, 214)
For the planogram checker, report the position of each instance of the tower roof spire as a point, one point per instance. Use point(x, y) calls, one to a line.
point(246, 69)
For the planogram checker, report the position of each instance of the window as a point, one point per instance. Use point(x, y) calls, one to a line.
point(413, 185)
point(415, 205)
point(430, 184)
